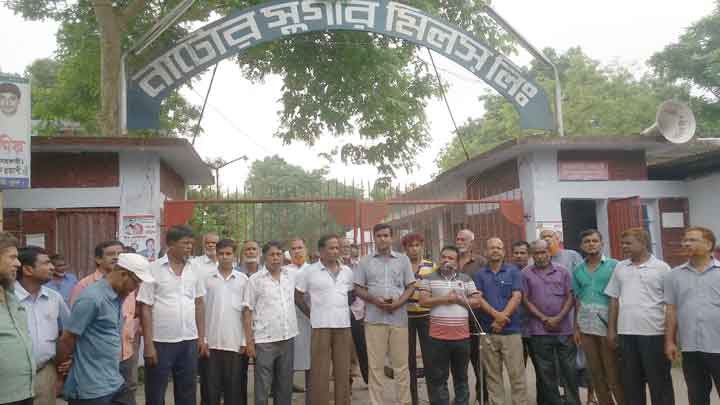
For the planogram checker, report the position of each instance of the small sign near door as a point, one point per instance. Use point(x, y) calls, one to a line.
point(35, 239)
point(583, 171)
point(673, 220)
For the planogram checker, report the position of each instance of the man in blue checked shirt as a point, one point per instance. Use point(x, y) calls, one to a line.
point(46, 312)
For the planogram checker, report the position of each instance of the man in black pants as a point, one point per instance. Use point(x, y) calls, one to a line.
point(691, 293)
point(359, 359)
point(418, 316)
point(637, 321)
point(448, 293)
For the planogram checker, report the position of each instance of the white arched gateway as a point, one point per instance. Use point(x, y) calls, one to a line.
point(267, 22)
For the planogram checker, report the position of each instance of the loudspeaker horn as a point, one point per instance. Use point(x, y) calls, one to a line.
point(675, 121)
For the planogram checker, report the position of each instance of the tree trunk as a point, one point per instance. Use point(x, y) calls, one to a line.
point(111, 29)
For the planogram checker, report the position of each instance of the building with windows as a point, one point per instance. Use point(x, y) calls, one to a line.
point(573, 183)
point(88, 189)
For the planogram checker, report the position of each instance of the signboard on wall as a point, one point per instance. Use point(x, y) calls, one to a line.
point(15, 129)
point(583, 171)
point(140, 233)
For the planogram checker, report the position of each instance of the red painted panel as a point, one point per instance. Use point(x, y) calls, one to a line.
point(671, 237)
point(623, 214)
point(79, 230)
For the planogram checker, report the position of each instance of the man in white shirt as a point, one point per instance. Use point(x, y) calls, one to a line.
point(206, 266)
point(301, 344)
point(207, 263)
point(329, 284)
point(271, 326)
point(224, 303)
point(249, 258)
point(173, 321)
point(636, 322)
point(46, 312)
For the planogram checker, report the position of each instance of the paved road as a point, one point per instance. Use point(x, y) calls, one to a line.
point(360, 392)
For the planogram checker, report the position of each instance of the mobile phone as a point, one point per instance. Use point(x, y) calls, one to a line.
point(388, 300)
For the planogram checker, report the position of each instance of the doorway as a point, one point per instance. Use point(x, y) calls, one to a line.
point(577, 216)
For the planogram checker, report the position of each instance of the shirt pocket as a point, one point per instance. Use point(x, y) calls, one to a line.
point(189, 291)
point(397, 279)
point(505, 289)
point(714, 295)
point(557, 288)
point(51, 330)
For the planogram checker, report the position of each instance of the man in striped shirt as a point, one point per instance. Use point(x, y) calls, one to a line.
point(449, 294)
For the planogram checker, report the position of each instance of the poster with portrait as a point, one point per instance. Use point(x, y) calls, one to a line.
point(140, 233)
point(15, 128)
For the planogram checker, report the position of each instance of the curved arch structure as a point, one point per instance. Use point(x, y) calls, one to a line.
point(270, 21)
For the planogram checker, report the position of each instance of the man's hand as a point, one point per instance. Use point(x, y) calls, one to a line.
point(453, 298)
point(243, 349)
point(64, 368)
point(150, 355)
point(203, 349)
point(552, 323)
point(671, 351)
point(577, 337)
point(501, 318)
point(250, 349)
point(497, 327)
point(612, 339)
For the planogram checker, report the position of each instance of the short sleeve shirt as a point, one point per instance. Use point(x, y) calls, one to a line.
point(567, 258)
point(497, 289)
point(272, 303)
point(63, 285)
point(17, 368)
point(449, 322)
point(548, 289)
point(697, 298)
point(172, 298)
point(385, 276)
point(224, 303)
point(329, 306)
point(640, 292)
point(589, 288)
point(47, 313)
point(96, 319)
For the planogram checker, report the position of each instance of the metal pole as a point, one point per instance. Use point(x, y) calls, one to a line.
point(202, 112)
point(538, 54)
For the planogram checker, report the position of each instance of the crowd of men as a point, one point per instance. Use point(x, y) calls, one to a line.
point(214, 315)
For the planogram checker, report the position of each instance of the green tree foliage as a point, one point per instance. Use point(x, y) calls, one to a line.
point(597, 100)
point(338, 83)
point(695, 60)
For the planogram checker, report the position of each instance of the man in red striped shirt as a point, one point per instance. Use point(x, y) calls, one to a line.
point(449, 294)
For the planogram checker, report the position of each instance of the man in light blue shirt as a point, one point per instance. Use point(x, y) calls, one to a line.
point(92, 336)
point(46, 311)
point(692, 295)
point(61, 281)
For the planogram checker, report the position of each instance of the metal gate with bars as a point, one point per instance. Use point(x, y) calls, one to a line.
point(264, 219)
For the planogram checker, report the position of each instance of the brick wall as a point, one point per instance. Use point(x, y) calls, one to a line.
point(69, 170)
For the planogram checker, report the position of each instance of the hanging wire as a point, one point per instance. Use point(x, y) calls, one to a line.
point(447, 104)
point(202, 112)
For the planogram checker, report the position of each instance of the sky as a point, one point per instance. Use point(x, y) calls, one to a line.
point(241, 117)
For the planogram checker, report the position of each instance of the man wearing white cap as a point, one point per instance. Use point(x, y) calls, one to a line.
point(92, 335)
